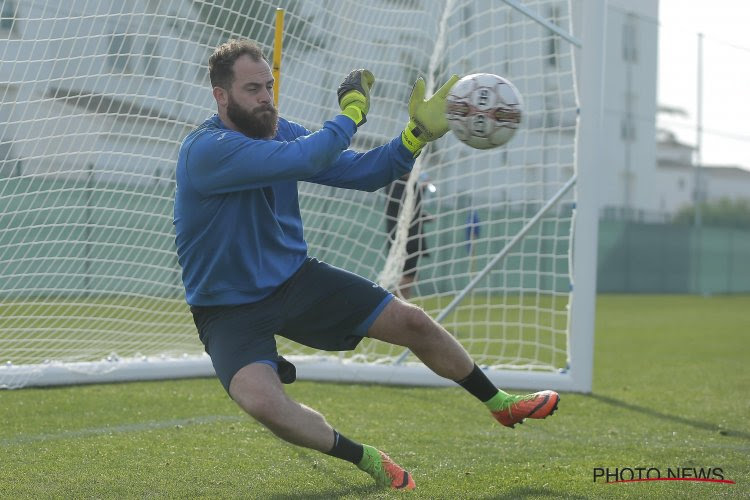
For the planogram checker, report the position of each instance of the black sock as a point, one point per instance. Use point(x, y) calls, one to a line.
point(478, 385)
point(346, 449)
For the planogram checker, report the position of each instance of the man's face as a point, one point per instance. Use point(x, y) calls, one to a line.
point(249, 102)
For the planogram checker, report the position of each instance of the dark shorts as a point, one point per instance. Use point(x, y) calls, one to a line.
point(320, 306)
point(416, 245)
point(415, 248)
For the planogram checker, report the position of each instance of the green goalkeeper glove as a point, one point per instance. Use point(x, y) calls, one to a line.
point(427, 121)
point(354, 95)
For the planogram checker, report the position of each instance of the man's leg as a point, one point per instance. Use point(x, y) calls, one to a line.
point(407, 325)
point(258, 391)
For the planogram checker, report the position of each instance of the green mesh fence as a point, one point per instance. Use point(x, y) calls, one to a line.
point(667, 258)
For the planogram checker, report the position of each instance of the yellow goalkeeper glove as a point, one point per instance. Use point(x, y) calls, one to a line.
point(354, 95)
point(427, 121)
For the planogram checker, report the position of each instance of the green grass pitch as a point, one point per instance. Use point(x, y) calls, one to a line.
point(670, 390)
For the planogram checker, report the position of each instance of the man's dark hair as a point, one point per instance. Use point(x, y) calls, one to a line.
point(221, 61)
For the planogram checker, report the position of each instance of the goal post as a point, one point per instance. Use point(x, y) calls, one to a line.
point(97, 96)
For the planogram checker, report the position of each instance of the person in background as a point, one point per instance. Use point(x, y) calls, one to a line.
point(416, 243)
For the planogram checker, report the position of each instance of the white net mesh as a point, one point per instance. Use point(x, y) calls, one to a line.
point(97, 95)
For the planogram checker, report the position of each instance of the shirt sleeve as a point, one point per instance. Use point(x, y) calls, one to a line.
point(367, 171)
point(222, 161)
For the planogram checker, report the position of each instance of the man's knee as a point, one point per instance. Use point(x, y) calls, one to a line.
point(405, 316)
point(403, 324)
point(416, 320)
point(257, 390)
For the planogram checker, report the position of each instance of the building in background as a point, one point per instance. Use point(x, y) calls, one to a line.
point(630, 67)
point(129, 79)
point(120, 77)
point(676, 176)
point(141, 51)
point(650, 174)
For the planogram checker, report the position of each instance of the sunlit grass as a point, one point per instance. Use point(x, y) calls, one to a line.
point(670, 378)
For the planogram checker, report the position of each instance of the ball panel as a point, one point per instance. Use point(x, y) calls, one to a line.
point(484, 110)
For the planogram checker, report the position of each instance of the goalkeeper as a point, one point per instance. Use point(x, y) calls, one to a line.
point(245, 265)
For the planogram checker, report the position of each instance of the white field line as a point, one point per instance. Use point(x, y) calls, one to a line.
point(119, 429)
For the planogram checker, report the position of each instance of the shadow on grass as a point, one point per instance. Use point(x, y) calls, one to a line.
point(365, 491)
point(527, 492)
point(336, 492)
point(706, 426)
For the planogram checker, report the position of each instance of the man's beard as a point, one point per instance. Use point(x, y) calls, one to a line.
point(260, 123)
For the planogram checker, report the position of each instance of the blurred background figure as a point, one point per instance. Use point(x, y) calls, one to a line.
point(416, 245)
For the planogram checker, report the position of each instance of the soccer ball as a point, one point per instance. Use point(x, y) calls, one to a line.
point(484, 110)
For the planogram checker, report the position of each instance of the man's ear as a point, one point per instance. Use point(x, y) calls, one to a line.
point(221, 96)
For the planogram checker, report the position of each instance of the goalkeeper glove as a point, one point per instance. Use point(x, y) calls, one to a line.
point(427, 121)
point(354, 95)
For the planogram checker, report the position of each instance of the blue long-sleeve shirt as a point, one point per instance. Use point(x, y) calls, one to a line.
point(236, 215)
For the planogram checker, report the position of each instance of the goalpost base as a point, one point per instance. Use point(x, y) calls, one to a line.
point(318, 369)
point(105, 371)
point(417, 374)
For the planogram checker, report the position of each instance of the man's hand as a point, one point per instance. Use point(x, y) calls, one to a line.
point(427, 120)
point(354, 95)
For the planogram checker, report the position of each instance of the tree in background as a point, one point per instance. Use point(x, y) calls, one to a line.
point(721, 213)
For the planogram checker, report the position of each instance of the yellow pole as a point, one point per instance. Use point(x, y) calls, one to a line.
point(278, 37)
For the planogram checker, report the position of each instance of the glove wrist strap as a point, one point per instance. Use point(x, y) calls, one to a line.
point(411, 139)
point(355, 113)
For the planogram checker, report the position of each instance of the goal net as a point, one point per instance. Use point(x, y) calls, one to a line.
point(97, 96)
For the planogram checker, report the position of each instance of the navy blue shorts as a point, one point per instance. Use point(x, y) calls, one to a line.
point(320, 306)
